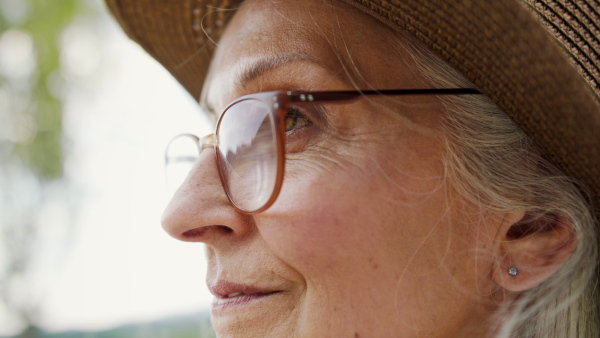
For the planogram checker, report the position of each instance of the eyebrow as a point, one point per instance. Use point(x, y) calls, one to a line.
point(265, 65)
point(256, 69)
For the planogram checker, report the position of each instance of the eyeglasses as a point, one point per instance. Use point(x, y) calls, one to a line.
point(249, 142)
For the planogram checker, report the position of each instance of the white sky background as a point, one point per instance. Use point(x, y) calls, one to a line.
point(120, 267)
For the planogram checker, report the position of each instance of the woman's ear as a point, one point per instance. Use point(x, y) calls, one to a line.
point(530, 249)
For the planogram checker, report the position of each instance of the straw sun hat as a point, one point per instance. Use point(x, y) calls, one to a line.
point(538, 60)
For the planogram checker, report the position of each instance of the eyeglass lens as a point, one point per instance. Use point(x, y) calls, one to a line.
point(246, 155)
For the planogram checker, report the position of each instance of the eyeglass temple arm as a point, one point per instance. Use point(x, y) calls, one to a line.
point(354, 94)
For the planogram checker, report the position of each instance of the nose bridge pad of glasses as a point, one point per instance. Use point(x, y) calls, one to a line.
point(206, 141)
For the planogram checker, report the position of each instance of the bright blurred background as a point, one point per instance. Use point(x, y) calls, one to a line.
point(84, 118)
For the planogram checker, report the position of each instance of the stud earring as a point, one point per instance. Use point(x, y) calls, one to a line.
point(513, 271)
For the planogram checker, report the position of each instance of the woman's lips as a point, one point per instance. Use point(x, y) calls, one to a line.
point(220, 304)
point(228, 295)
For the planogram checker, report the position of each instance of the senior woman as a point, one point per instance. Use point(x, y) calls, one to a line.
point(388, 168)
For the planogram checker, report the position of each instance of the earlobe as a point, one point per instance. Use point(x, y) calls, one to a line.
point(530, 249)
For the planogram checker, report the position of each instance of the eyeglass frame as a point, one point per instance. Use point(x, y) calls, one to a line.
point(279, 102)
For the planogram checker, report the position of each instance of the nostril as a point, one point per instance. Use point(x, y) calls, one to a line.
point(197, 232)
point(224, 228)
point(201, 231)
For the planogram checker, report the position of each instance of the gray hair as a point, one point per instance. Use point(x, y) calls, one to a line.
point(496, 167)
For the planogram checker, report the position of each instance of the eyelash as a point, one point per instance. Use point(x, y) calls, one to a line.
point(299, 122)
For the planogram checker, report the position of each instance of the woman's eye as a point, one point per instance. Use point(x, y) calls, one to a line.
point(295, 120)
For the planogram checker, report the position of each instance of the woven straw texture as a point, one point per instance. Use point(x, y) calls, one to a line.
point(538, 60)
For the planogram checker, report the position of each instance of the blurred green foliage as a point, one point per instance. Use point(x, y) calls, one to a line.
point(36, 99)
point(31, 139)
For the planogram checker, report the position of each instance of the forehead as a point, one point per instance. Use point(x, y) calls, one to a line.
point(344, 42)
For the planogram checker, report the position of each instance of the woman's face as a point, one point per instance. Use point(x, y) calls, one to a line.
point(366, 238)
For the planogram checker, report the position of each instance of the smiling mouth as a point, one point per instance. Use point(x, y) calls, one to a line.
point(238, 299)
point(229, 295)
point(243, 294)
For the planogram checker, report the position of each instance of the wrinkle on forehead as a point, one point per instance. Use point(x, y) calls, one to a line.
point(302, 25)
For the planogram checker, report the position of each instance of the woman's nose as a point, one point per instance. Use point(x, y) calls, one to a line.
point(199, 210)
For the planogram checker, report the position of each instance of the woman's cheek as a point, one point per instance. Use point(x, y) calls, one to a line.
point(315, 216)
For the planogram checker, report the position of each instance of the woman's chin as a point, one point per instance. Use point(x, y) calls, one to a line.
point(252, 315)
